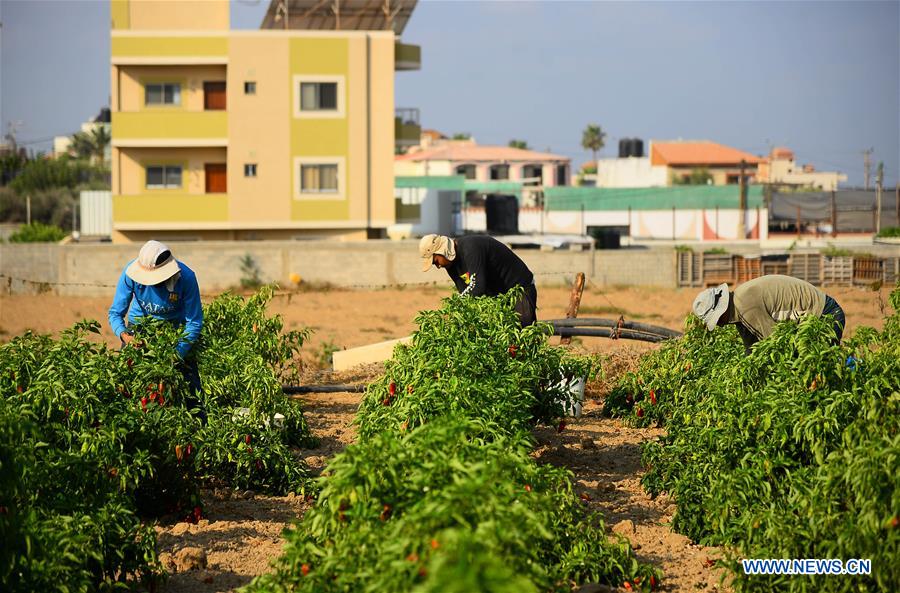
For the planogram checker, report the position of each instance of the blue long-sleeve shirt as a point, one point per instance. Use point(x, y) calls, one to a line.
point(182, 305)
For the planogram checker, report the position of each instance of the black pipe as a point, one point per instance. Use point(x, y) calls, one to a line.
point(603, 332)
point(295, 389)
point(599, 322)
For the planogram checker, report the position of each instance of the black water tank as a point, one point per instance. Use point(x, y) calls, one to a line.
point(502, 213)
point(624, 147)
point(637, 147)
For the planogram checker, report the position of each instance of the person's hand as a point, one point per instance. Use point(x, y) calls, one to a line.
point(129, 339)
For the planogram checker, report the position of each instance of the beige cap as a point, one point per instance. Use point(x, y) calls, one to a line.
point(145, 269)
point(711, 304)
point(431, 245)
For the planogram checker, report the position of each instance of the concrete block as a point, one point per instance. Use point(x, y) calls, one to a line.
point(347, 359)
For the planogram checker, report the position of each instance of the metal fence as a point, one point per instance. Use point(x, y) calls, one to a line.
point(842, 211)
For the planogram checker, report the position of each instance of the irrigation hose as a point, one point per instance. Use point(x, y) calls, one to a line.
point(600, 322)
point(603, 332)
point(298, 389)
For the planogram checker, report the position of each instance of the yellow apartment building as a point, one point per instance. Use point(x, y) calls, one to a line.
point(279, 133)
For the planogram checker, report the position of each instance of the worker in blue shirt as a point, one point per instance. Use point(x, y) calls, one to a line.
point(157, 285)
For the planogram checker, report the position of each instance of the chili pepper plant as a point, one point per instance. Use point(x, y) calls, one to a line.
point(791, 451)
point(440, 493)
point(95, 443)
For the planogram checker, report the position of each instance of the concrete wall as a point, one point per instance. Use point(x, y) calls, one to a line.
point(91, 269)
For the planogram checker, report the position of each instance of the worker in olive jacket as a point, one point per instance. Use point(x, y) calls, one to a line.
point(481, 265)
point(756, 306)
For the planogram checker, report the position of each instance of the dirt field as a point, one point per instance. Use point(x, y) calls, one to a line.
point(349, 318)
point(243, 531)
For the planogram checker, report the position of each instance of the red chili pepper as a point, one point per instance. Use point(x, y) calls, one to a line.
point(652, 397)
point(527, 487)
point(385, 512)
point(413, 557)
point(434, 544)
point(144, 403)
point(188, 449)
point(392, 388)
point(629, 398)
point(247, 439)
point(386, 401)
point(561, 426)
point(422, 572)
point(652, 582)
point(640, 412)
point(198, 512)
point(304, 569)
point(627, 585)
point(19, 389)
point(512, 350)
point(895, 522)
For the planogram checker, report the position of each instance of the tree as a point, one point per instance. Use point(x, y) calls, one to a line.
point(593, 139)
point(82, 145)
point(461, 136)
point(100, 138)
point(698, 176)
point(518, 144)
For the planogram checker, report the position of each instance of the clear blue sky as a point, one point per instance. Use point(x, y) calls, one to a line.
point(822, 78)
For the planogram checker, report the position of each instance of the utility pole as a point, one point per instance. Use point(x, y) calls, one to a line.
point(867, 165)
point(897, 204)
point(833, 214)
point(742, 206)
point(879, 181)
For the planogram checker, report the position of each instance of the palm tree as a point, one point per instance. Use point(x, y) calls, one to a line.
point(100, 138)
point(82, 145)
point(592, 139)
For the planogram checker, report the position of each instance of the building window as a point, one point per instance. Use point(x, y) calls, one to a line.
point(562, 175)
point(166, 93)
point(318, 96)
point(164, 177)
point(318, 178)
point(249, 88)
point(250, 170)
point(499, 172)
point(467, 171)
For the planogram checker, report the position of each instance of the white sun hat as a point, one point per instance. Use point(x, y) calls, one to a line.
point(710, 304)
point(431, 245)
point(152, 266)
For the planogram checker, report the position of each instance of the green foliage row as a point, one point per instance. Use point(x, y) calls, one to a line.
point(93, 442)
point(37, 232)
point(790, 452)
point(440, 492)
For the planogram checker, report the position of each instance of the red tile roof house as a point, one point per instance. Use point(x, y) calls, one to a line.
point(485, 163)
point(722, 162)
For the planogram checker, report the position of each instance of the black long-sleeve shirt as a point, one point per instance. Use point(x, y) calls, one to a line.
point(485, 266)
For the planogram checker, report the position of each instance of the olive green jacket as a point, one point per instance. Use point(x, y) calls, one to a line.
point(762, 302)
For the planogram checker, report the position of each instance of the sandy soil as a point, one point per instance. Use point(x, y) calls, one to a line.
point(243, 531)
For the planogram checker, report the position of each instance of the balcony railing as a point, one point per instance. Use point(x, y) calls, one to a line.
point(172, 126)
point(407, 57)
point(407, 130)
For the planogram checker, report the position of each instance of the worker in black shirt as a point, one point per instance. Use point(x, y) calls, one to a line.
point(481, 265)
